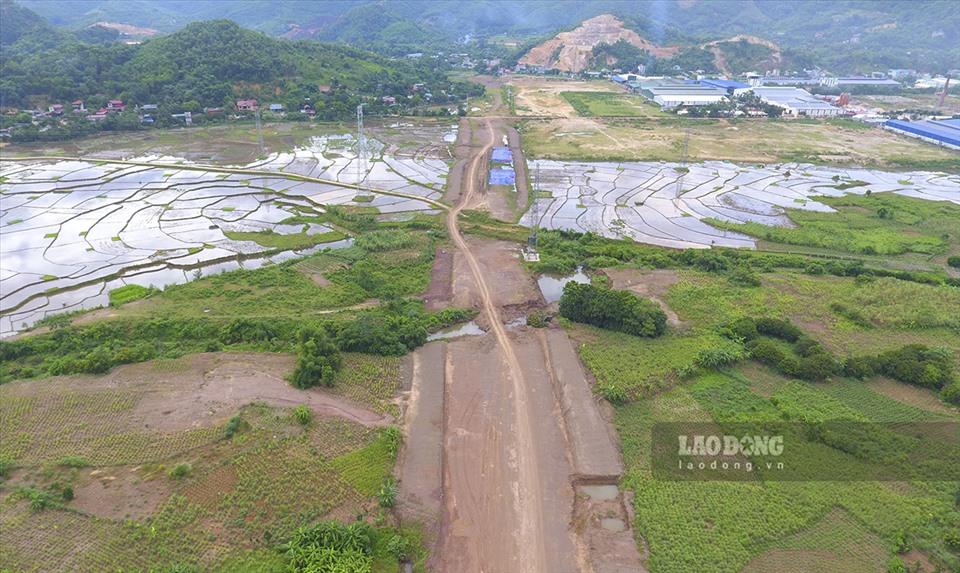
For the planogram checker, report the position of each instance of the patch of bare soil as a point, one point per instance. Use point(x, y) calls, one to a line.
point(538, 97)
point(463, 150)
point(603, 526)
point(918, 562)
point(912, 395)
point(576, 46)
point(501, 489)
point(511, 285)
point(440, 292)
point(120, 492)
point(648, 284)
point(420, 461)
point(215, 385)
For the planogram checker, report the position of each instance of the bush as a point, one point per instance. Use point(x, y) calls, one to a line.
point(729, 353)
point(6, 464)
point(400, 547)
point(394, 439)
point(744, 328)
point(745, 276)
point(896, 565)
point(302, 414)
point(954, 261)
point(538, 319)
point(67, 493)
point(181, 470)
point(778, 328)
point(232, 426)
point(952, 540)
point(330, 546)
point(614, 394)
point(621, 311)
point(73, 462)
point(387, 496)
point(39, 500)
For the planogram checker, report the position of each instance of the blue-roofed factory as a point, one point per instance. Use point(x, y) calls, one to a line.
point(731, 87)
point(945, 132)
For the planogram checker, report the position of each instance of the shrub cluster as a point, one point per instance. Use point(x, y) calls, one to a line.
point(812, 361)
point(617, 310)
point(914, 364)
point(330, 546)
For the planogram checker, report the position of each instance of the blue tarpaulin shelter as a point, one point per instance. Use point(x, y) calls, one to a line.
point(502, 155)
point(502, 176)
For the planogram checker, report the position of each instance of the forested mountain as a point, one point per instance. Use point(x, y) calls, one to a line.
point(212, 64)
point(841, 36)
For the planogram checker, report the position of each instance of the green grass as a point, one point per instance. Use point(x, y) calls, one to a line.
point(879, 224)
point(50, 236)
point(223, 515)
point(293, 241)
point(721, 526)
point(606, 104)
point(129, 293)
point(636, 365)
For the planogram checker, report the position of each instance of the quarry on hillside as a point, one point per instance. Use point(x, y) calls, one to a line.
point(571, 51)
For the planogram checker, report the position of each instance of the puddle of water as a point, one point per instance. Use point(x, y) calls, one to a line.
point(552, 287)
point(601, 492)
point(468, 329)
point(517, 322)
point(613, 524)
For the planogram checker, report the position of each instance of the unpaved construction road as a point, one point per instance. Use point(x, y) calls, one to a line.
point(495, 415)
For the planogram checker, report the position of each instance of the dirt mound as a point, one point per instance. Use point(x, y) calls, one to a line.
point(572, 51)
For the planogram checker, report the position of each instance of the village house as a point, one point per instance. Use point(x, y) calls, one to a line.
point(246, 105)
point(78, 106)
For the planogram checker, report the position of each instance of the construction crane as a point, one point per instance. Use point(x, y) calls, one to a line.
point(361, 148)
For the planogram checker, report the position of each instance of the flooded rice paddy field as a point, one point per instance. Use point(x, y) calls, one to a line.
point(71, 231)
point(652, 203)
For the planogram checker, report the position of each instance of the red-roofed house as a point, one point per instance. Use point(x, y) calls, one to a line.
point(78, 106)
point(56, 109)
point(325, 89)
point(116, 105)
point(246, 105)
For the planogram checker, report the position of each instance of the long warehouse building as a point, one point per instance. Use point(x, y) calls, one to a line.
point(941, 132)
point(796, 102)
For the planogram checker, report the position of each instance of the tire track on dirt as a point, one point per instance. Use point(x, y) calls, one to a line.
point(530, 530)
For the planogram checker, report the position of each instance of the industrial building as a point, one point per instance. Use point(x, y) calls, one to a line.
point(852, 81)
point(796, 102)
point(945, 132)
point(731, 87)
point(671, 92)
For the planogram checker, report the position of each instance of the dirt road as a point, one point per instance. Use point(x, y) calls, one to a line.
point(508, 416)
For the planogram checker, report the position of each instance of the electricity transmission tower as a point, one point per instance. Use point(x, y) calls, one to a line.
point(361, 148)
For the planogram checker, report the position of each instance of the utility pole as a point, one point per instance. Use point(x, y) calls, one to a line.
point(683, 161)
point(531, 254)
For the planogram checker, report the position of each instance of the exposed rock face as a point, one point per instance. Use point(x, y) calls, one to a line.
point(572, 51)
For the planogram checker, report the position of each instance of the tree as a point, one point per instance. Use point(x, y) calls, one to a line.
point(318, 361)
